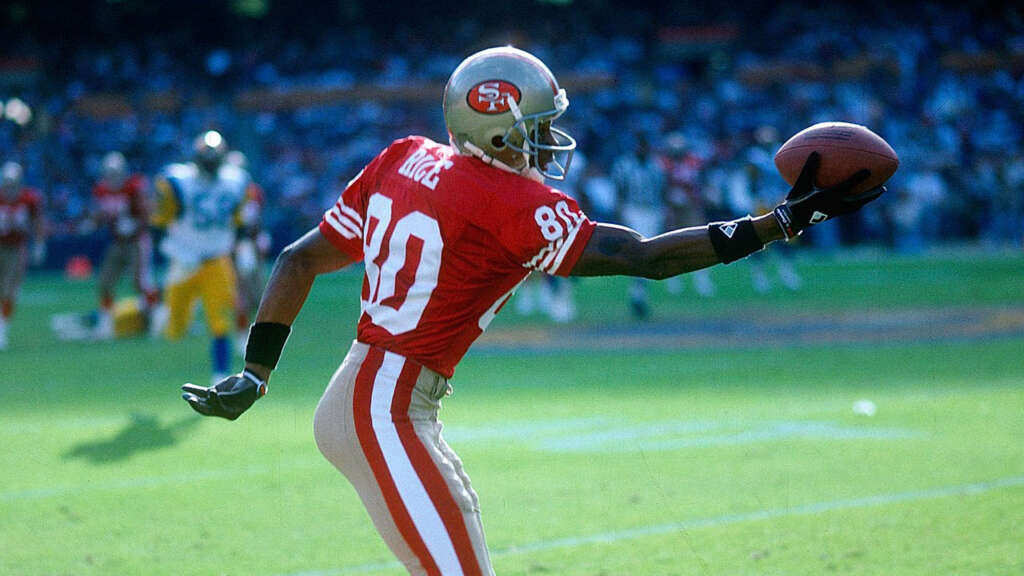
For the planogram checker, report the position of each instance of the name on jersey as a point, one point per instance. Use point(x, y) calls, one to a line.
point(424, 168)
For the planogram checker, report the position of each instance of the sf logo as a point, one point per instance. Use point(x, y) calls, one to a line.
point(492, 96)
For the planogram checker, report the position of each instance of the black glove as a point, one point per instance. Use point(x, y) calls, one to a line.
point(806, 204)
point(228, 398)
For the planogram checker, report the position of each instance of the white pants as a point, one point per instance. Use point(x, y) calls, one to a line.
point(377, 423)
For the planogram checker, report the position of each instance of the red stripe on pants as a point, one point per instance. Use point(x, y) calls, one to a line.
point(361, 405)
point(441, 496)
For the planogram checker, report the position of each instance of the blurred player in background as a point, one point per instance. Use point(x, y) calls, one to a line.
point(640, 182)
point(446, 233)
point(121, 205)
point(200, 203)
point(251, 248)
point(684, 202)
point(21, 218)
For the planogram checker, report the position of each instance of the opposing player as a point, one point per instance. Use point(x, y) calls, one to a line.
point(21, 218)
point(446, 233)
point(122, 207)
point(199, 204)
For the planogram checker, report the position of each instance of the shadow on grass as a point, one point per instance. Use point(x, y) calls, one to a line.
point(143, 433)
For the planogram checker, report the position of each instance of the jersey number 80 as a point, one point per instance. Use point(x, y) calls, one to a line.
point(398, 306)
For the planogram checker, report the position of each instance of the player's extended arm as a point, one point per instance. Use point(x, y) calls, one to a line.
point(615, 250)
point(294, 272)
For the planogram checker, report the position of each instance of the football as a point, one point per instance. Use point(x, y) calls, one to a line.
point(845, 148)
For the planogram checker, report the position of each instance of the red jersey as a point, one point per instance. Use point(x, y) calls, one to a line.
point(446, 239)
point(17, 216)
point(122, 208)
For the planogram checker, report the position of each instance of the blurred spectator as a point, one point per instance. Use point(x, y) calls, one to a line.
point(766, 187)
point(684, 202)
point(640, 181)
point(941, 82)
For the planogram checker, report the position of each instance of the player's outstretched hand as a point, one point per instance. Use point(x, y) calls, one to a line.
point(807, 204)
point(228, 398)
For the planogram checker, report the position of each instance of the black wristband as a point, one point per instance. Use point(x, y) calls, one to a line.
point(784, 216)
point(734, 240)
point(266, 340)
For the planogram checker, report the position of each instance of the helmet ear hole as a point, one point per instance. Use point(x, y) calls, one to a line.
point(498, 142)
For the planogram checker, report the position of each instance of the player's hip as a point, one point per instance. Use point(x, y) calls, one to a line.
point(376, 403)
point(396, 387)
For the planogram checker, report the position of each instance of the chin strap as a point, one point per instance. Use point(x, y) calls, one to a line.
point(528, 172)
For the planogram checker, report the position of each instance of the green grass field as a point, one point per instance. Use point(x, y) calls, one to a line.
point(619, 456)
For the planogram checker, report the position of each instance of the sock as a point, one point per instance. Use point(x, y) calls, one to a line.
point(220, 353)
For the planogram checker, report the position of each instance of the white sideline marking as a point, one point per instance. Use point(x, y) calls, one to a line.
point(696, 524)
point(577, 435)
point(604, 435)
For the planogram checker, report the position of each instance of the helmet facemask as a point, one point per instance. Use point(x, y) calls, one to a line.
point(541, 144)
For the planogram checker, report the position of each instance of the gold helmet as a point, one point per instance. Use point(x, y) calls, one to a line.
point(209, 150)
point(499, 105)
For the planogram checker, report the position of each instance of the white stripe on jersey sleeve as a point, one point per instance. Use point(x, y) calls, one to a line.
point(532, 263)
point(345, 221)
point(340, 226)
point(352, 214)
point(556, 247)
point(551, 256)
point(564, 250)
point(329, 218)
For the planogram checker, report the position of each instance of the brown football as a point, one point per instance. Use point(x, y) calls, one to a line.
point(845, 148)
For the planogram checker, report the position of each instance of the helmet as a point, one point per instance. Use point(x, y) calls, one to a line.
point(209, 149)
point(498, 106)
point(114, 165)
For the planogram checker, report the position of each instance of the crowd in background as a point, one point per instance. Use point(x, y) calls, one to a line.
point(942, 83)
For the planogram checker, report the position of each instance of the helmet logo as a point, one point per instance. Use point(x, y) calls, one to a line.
point(491, 96)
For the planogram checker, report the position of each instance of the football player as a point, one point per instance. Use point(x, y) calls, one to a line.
point(21, 218)
point(199, 203)
point(446, 232)
point(122, 207)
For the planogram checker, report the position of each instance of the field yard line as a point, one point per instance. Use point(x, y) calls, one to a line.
point(619, 535)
